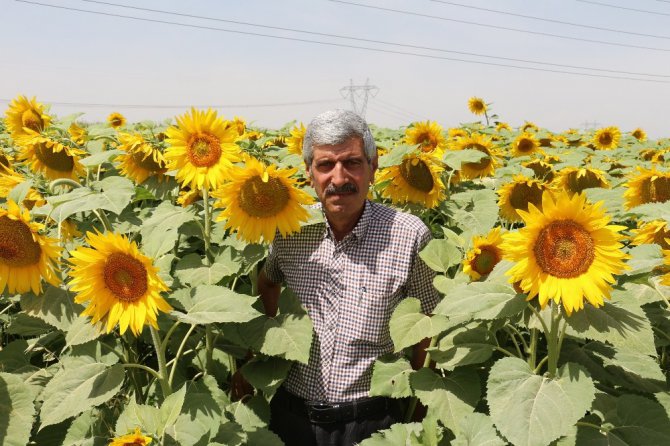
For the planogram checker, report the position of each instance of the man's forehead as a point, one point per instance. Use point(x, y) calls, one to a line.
point(348, 149)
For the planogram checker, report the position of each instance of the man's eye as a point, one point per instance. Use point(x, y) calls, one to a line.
point(324, 167)
point(353, 163)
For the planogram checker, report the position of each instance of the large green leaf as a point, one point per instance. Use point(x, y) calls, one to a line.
point(170, 409)
point(81, 331)
point(463, 346)
point(409, 326)
point(455, 158)
point(13, 356)
point(397, 435)
point(16, 410)
point(211, 303)
point(449, 399)
point(477, 212)
point(440, 254)
point(161, 230)
point(262, 436)
point(251, 414)
point(100, 158)
point(266, 374)
point(643, 259)
point(200, 417)
point(481, 301)
point(111, 194)
point(641, 421)
point(55, 306)
point(624, 327)
point(148, 418)
point(191, 270)
point(390, 377)
point(288, 336)
point(395, 155)
point(533, 410)
point(476, 429)
point(71, 392)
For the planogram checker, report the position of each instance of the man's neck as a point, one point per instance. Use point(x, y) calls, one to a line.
point(342, 227)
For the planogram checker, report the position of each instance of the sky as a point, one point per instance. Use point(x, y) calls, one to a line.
point(518, 55)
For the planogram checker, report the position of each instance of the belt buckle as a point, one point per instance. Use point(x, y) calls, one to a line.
point(322, 413)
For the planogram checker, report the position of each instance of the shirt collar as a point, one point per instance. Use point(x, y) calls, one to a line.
point(361, 227)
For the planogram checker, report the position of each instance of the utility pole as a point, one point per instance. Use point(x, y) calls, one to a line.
point(359, 92)
point(586, 125)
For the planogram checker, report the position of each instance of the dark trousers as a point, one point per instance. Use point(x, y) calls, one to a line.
point(293, 426)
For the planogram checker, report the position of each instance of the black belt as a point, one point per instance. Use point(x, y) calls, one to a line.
point(322, 413)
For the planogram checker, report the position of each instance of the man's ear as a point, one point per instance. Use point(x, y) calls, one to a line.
point(375, 165)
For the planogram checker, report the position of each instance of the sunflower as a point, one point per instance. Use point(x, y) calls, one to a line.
point(277, 141)
point(133, 439)
point(500, 126)
point(53, 158)
point(543, 171)
point(639, 134)
point(26, 117)
point(606, 138)
point(485, 166)
point(648, 186)
point(477, 105)
point(655, 231)
point(119, 282)
point(141, 159)
point(188, 196)
point(116, 120)
point(294, 142)
point(5, 160)
point(78, 134)
point(457, 132)
point(26, 257)
point(525, 144)
point(9, 179)
point(428, 136)
point(415, 180)
point(566, 252)
point(576, 179)
point(518, 194)
point(259, 200)
point(529, 127)
point(484, 255)
point(240, 125)
point(202, 149)
point(665, 279)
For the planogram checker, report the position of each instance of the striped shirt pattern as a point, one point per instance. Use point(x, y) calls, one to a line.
point(350, 289)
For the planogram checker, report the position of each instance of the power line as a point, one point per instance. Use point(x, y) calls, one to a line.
point(409, 114)
point(624, 7)
point(163, 106)
point(559, 36)
point(380, 50)
point(543, 19)
point(339, 36)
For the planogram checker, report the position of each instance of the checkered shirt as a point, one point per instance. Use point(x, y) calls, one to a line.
point(350, 289)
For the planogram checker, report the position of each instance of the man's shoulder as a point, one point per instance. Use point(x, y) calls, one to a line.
point(398, 220)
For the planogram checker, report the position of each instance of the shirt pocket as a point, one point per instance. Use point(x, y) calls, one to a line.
point(374, 311)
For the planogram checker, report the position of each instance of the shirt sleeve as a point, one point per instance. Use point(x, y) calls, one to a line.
point(420, 283)
point(272, 267)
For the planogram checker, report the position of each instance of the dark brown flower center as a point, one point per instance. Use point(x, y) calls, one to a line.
point(486, 260)
point(32, 120)
point(482, 163)
point(588, 179)
point(564, 249)
point(605, 138)
point(262, 199)
point(525, 145)
point(125, 277)
point(147, 162)
point(59, 161)
point(17, 246)
point(655, 190)
point(204, 150)
point(524, 193)
point(417, 174)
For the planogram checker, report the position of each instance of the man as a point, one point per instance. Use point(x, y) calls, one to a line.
point(349, 273)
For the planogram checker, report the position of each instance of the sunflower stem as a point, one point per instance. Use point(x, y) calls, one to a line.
point(208, 224)
point(553, 339)
point(532, 359)
point(62, 182)
point(103, 219)
point(180, 352)
point(209, 349)
point(162, 367)
point(414, 400)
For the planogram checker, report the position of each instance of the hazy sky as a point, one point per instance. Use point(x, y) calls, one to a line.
point(133, 66)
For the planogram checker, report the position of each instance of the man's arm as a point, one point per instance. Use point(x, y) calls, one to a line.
point(269, 292)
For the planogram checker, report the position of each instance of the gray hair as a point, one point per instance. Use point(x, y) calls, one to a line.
point(335, 127)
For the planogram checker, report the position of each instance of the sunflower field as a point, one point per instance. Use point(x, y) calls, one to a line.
point(129, 254)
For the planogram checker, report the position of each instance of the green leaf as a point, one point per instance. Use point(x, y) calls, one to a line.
point(641, 421)
point(55, 306)
point(455, 158)
point(24, 325)
point(644, 258)
point(481, 301)
point(71, 392)
point(211, 304)
point(440, 254)
point(161, 230)
point(637, 371)
point(17, 410)
point(288, 336)
point(395, 156)
point(20, 191)
point(13, 356)
point(390, 377)
point(477, 212)
point(88, 429)
point(463, 346)
point(397, 435)
point(449, 399)
point(409, 326)
point(148, 418)
point(191, 270)
point(625, 328)
point(266, 374)
point(476, 429)
point(112, 194)
point(252, 414)
point(230, 434)
point(262, 436)
point(200, 418)
point(81, 331)
point(533, 410)
point(170, 409)
point(100, 158)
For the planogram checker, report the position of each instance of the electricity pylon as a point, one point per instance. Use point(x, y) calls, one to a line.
point(359, 92)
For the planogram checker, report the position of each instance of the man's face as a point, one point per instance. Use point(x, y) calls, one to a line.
point(341, 175)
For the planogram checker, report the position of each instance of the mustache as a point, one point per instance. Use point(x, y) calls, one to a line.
point(344, 189)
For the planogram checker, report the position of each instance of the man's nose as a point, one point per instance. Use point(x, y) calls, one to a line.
point(339, 176)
